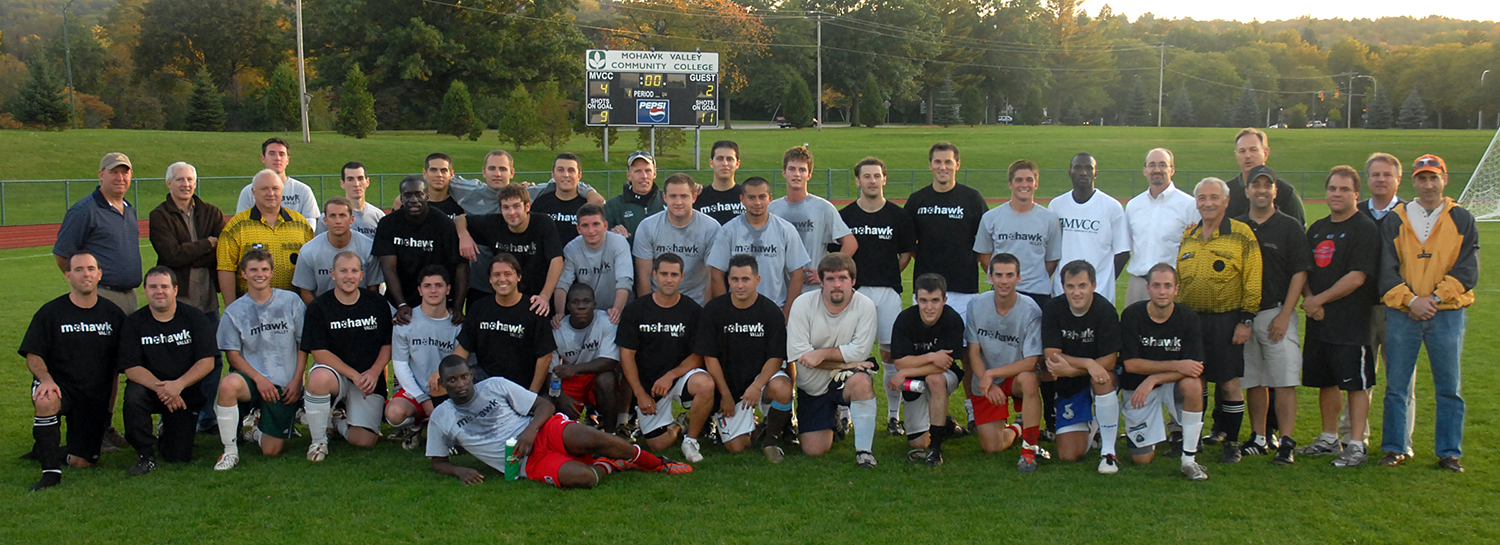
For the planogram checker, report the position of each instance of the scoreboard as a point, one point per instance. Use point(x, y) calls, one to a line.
point(652, 88)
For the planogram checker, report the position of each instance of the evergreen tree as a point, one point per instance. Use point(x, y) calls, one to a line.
point(1379, 112)
point(520, 124)
point(1034, 111)
point(1072, 116)
point(1247, 112)
point(282, 108)
point(797, 102)
point(1181, 114)
point(871, 102)
point(552, 113)
point(40, 101)
point(1413, 112)
point(457, 115)
point(945, 104)
point(356, 105)
point(205, 105)
point(1138, 112)
point(973, 107)
point(1296, 117)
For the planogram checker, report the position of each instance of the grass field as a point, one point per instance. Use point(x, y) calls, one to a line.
point(986, 152)
point(387, 494)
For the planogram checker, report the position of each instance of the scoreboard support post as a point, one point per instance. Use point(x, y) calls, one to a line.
point(697, 147)
point(606, 143)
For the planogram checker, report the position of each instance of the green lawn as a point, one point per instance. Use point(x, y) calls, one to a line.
point(1303, 155)
point(387, 493)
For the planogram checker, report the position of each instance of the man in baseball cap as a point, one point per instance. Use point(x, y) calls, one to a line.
point(640, 198)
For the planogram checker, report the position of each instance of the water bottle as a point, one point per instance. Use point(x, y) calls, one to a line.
point(512, 465)
point(914, 385)
point(554, 387)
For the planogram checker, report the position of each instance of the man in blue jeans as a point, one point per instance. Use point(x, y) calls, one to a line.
point(1428, 269)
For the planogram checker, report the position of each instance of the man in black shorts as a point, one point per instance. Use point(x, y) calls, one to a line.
point(348, 333)
point(165, 350)
point(70, 349)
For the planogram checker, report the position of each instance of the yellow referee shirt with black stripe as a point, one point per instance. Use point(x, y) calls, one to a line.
point(247, 229)
point(1221, 274)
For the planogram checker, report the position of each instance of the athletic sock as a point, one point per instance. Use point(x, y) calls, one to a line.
point(404, 424)
point(645, 460)
point(1234, 416)
point(229, 426)
point(969, 408)
point(1048, 390)
point(1107, 414)
point(892, 395)
point(862, 414)
point(1328, 437)
point(1192, 431)
point(1030, 435)
point(318, 409)
point(844, 413)
point(776, 422)
point(1257, 439)
point(938, 434)
point(343, 427)
point(47, 432)
point(602, 465)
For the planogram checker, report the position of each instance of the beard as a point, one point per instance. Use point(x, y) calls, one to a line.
point(836, 297)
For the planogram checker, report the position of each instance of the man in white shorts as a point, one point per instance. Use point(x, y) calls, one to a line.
point(416, 349)
point(743, 343)
point(348, 333)
point(887, 242)
point(656, 336)
point(1162, 344)
point(829, 334)
point(925, 341)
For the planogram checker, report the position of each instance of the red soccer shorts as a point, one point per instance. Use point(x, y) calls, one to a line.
point(548, 454)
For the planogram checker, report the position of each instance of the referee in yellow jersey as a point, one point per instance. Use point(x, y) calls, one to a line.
point(1219, 264)
point(266, 226)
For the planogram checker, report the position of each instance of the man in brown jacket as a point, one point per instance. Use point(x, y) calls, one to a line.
point(184, 230)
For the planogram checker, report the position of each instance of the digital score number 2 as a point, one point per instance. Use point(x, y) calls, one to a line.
point(706, 91)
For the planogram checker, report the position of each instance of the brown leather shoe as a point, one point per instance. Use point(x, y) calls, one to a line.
point(1451, 464)
point(1392, 459)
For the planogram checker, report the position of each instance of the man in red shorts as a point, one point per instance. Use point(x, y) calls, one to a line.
point(1004, 333)
point(482, 417)
point(588, 361)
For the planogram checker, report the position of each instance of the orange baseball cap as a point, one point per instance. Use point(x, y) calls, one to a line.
point(1429, 163)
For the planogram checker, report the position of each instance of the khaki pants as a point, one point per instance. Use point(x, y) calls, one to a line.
point(126, 300)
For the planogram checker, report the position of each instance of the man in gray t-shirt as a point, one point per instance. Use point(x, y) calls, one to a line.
point(680, 230)
point(819, 224)
point(315, 260)
point(1004, 332)
point(775, 246)
point(1033, 236)
point(266, 334)
point(600, 259)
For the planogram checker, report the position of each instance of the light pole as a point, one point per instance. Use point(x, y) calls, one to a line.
point(1375, 92)
point(1481, 97)
point(1161, 81)
point(68, 55)
point(302, 77)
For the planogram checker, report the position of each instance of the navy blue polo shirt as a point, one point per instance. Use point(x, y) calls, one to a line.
point(92, 225)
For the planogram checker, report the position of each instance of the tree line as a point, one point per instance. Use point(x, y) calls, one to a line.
point(515, 67)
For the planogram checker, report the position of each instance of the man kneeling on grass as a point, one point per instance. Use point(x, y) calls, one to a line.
point(551, 447)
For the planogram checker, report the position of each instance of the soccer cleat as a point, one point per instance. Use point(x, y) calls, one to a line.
point(690, 450)
point(254, 418)
point(113, 438)
point(962, 431)
point(841, 429)
point(1392, 459)
point(1174, 445)
point(1195, 472)
point(1252, 447)
point(251, 436)
point(1215, 438)
point(49, 480)
point(143, 465)
point(1027, 463)
point(1450, 463)
point(673, 468)
point(1285, 453)
point(616, 465)
point(316, 452)
point(1231, 453)
point(893, 426)
point(864, 459)
point(1040, 452)
point(1354, 456)
point(227, 461)
point(1048, 434)
point(1108, 464)
point(1321, 447)
point(773, 454)
point(916, 455)
point(934, 457)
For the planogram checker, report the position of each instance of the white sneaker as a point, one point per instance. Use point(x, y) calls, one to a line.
point(227, 461)
point(690, 450)
point(1108, 465)
point(316, 452)
point(251, 436)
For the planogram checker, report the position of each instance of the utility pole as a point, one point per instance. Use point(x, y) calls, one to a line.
point(1161, 82)
point(818, 95)
point(302, 77)
point(1349, 111)
point(1481, 96)
point(68, 54)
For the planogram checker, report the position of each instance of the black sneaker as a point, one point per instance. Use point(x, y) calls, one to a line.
point(30, 455)
point(935, 457)
point(1285, 453)
point(959, 431)
point(1450, 463)
point(1215, 438)
point(49, 480)
point(916, 455)
point(1174, 445)
point(893, 426)
point(143, 465)
point(841, 429)
point(1231, 453)
point(1253, 447)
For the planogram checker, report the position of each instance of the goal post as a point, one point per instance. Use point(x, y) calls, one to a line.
point(1482, 194)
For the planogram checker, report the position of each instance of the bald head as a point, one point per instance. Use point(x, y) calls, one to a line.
point(1159, 169)
point(266, 187)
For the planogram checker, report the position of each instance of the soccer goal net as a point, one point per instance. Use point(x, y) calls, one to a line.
point(1482, 195)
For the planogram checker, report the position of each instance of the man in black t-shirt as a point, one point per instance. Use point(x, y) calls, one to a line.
point(742, 340)
point(1337, 355)
point(721, 200)
point(1080, 340)
point(1162, 353)
point(507, 339)
point(165, 350)
point(562, 205)
point(437, 171)
point(530, 238)
point(887, 242)
point(348, 333)
point(656, 353)
point(412, 238)
point(924, 342)
point(70, 349)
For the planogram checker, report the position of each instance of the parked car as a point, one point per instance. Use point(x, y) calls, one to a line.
point(1004, 119)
